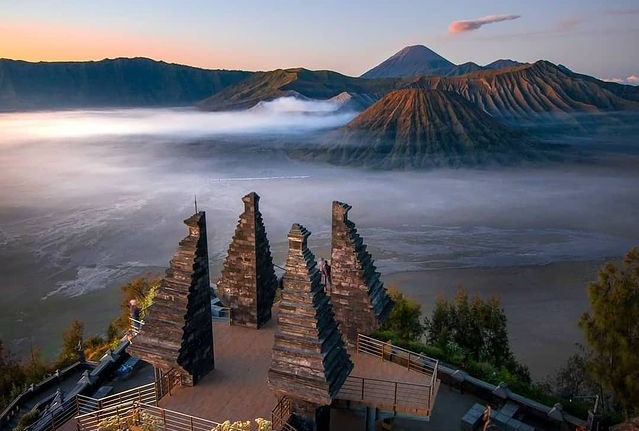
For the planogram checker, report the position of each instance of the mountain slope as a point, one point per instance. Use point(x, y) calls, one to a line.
point(415, 128)
point(322, 84)
point(463, 69)
point(530, 91)
point(502, 63)
point(416, 60)
point(108, 83)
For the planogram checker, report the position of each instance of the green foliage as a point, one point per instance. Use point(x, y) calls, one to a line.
point(27, 419)
point(472, 328)
point(94, 347)
point(35, 368)
point(611, 328)
point(11, 376)
point(487, 372)
point(405, 317)
point(72, 341)
point(143, 290)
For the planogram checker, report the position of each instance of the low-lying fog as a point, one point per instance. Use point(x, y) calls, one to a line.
point(91, 198)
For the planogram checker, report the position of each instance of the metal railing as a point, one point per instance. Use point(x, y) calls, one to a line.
point(145, 416)
point(142, 394)
point(411, 360)
point(135, 325)
point(166, 382)
point(51, 420)
point(281, 415)
point(388, 395)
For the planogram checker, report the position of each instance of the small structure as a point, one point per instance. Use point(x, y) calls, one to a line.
point(177, 334)
point(248, 281)
point(359, 298)
point(310, 363)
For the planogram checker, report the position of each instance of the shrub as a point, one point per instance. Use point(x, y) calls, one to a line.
point(27, 419)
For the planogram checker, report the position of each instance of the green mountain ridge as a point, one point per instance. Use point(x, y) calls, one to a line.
point(322, 84)
point(120, 82)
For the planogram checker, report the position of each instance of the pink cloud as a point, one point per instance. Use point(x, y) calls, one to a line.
point(474, 24)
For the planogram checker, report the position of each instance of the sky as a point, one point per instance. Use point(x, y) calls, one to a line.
point(599, 38)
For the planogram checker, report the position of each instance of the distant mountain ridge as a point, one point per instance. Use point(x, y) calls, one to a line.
point(526, 91)
point(120, 82)
point(415, 60)
point(519, 91)
point(322, 84)
point(418, 60)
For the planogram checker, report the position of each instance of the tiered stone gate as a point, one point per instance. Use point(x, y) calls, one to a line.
point(359, 298)
point(177, 332)
point(310, 363)
point(248, 281)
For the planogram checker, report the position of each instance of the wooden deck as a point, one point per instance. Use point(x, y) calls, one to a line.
point(388, 386)
point(237, 389)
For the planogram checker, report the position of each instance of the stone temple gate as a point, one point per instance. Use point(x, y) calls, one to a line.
point(360, 301)
point(177, 333)
point(248, 281)
point(310, 363)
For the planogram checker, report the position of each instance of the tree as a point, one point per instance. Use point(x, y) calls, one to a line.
point(72, 342)
point(476, 326)
point(611, 329)
point(405, 317)
point(11, 376)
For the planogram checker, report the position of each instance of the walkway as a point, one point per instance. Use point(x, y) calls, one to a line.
point(237, 388)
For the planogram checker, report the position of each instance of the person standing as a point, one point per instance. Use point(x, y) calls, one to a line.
point(327, 268)
point(322, 269)
point(135, 313)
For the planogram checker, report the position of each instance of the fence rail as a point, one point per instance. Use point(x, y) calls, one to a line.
point(411, 360)
point(142, 394)
point(55, 418)
point(385, 394)
point(166, 382)
point(146, 416)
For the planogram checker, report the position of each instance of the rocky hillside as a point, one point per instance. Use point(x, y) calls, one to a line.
point(121, 82)
point(530, 91)
point(416, 128)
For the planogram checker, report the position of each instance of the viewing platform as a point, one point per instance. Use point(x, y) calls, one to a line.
point(238, 390)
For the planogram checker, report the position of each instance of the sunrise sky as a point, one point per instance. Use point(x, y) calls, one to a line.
point(599, 38)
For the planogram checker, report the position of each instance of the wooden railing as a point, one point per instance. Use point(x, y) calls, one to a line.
point(411, 360)
point(281, 415)
point(145, 416)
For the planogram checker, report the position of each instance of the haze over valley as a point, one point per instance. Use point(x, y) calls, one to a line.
point(73, 228)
